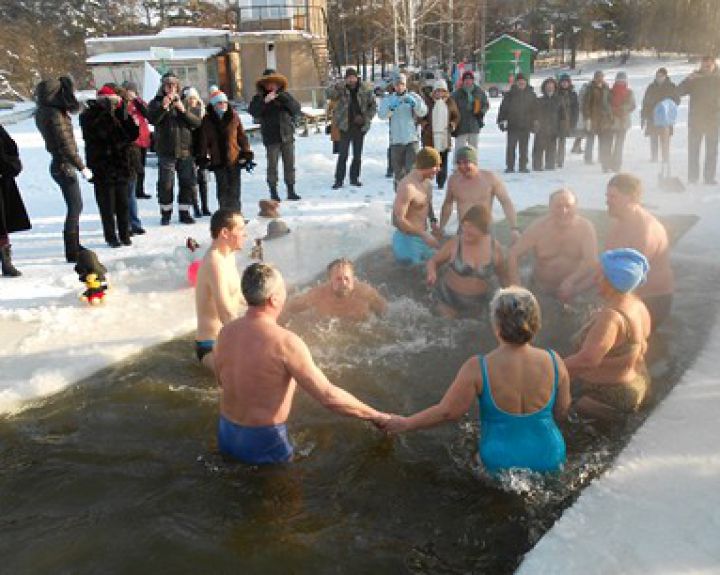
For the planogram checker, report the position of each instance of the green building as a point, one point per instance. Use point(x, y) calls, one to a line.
point(505, 56)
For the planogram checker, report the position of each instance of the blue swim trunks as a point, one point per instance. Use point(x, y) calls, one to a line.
point(410, 249)
point(254, 445)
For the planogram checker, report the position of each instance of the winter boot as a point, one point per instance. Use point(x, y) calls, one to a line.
point(205, 210)
point(165, 217)
point(8, 269)
point(185, 217)
point(291, 195)
point(273, 193)
point(72, 246)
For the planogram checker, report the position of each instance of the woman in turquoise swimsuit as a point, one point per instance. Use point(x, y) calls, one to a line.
point(475, 267)
point(521, 390)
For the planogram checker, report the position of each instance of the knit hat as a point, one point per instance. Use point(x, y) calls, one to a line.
point(621, 77)
point(564, 76)
point(190, 92)
point(351, 72)
point(440, 85)
point(468, 154)
point(170, 78)
point(467, 75)
point(428, 158)
point(217, 96)
point(624, 268)
point(106, 91)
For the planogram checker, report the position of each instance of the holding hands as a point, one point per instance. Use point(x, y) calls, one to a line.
point(391, 424)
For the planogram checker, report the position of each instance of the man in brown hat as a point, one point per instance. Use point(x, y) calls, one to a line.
point(277, 111)
point(412, 242)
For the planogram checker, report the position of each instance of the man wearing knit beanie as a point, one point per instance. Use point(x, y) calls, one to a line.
point(412, 242)
point(353, 111)
point(470, 186)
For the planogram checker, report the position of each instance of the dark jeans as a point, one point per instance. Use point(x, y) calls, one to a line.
point(185, 168)
point(616, 152)
point(517, 139)
point(604, 148)
point(544, 148)
point(354, 136)
point(65, 176)
point(140, 181)
point(287, 151)
point(402, 159)
point(560, 155)
point(227, 181)
point(111, 196)
point(695, 138)
point(202, 186)
point(132, 205)
point(441, 177)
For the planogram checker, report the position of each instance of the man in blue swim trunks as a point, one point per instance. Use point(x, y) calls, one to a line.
point(259, 365)
point(412, 242)
point(217, 291)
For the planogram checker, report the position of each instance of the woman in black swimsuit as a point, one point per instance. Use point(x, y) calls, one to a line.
point(475, 267)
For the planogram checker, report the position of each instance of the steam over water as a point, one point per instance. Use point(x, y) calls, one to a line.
point(121, 474)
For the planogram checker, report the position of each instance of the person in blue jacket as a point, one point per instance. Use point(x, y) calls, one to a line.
point(402, 108)
point(520, 389)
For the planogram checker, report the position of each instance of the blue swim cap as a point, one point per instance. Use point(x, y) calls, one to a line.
point(624, 268)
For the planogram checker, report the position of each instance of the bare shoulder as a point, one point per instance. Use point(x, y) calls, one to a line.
point(364, 289)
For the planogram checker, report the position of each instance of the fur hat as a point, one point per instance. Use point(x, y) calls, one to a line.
point(440, 85)
point(88, 263)
point(190, 92)
point(271, 76)
point(269, 209)
point(428, 158)
point(276, 229)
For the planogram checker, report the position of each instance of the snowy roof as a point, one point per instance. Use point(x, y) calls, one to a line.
point(528, 46)
point(148, 56)
point(172, 32)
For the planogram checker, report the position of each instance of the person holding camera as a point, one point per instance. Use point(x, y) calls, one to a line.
point(109, 132)
point(174, 124)
point(402, 108)
point(224, 143)
point(353, 112)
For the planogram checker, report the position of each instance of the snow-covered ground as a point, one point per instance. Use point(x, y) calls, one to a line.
point(655, 512)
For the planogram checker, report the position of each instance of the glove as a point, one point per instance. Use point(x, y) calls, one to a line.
point(502, 125)
point(249, 166)
point(409, 101)
point(588, 125)
point(87, 174)
point(359, 120)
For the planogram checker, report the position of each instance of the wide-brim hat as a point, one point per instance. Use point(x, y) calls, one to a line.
point(269, 209)
point(273, 78)
point(276, 229)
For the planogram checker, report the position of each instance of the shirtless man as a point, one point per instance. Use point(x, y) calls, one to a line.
point(217, 292)
point(341, 295)
point(412, 243)
point(259, 365)
point(470, 186)
point(564, 245)
point(634, 227)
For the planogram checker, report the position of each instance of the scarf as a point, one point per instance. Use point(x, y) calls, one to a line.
point(440, 119)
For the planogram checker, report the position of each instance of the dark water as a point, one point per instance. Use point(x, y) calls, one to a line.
point(120, 474)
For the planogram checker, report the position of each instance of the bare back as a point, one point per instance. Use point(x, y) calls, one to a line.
point(217, 293)
point(647, 235)
point(251, 365)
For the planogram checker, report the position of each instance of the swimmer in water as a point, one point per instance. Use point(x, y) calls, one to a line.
point(259, 365)
point(521, 390)
point(476, 265)
point(564, 245)
point(341, 296)
point(470, 186)
point(609, 367)
point(217, 292)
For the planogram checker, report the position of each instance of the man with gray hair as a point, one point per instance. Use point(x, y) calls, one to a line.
point(564, 245)
point(259, 365)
